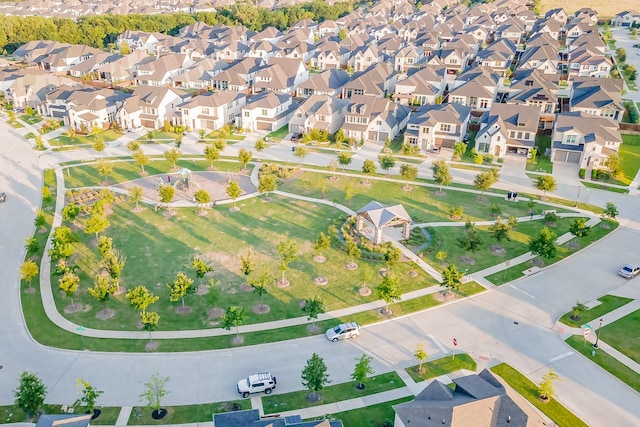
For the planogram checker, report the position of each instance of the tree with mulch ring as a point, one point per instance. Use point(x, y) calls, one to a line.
point(362, 371)
point(388, 291)
point(155, 390)
point(234, 317)
point(353, 251)
point(287, 251)
point(179, 288)
point(313, 307)
point(89, 395)
point(259, 286)
point(576, 310)
point(315, 377)
point(322, 243)
point(103, 288)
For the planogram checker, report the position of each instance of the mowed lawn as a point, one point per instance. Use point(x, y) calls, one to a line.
point(623, 335)
point(157, 246)
point(629, 157)
point(423, 204)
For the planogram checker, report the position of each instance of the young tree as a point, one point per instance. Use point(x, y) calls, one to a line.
point(300, 153)
point(545, 388)
point(470, 240)
point(135, 194)
point(314, 375)
point(180, 287)
point(544, 245)
point(451, 277)
point(140, 298)
point(408, 172)
point(344, 158)
point(614, 165)
point(610, 211)
point(234, 191)
point(149, 320)
point(267, 184)
point(368, 168)
point(362, 371)
point(322, 243)
point(260, 145)
point(392, 256)
point(333, 167)
point(483, 181)
point(579, 227)
point(313, 307)
point(96, 224)
point(441, 256)
point(133, 146)
point(166, 193)
point(202, 198)
point(69, 283)
point(246, 265)
point(545, 183)
point(244, 156)
point(387, 162)
point(459, 148)
point(28, 271)
point(287, 251)
point(352, 249)
point(88, 395)
point(500, 231)
point(105, 168)
point(30, 393)
point(234, 317)
point(103, 288)
point(172, 156)
point(140, 159)
point(260, 284)
point(211, 153)
point(421, 355)
point(155, 390)
point(200, 267)
point(388, 291)
point(98, 144)
point(71, 212)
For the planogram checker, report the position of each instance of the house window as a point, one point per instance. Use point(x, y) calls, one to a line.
point(205, 111)
point(527, 135)
point(484, 103)
point(483, 147)
point(519, 135)
point(246, 114)
point(379, 122)
point(425, 130)
point(571, 139)
point(264, 111)
point(445, 127)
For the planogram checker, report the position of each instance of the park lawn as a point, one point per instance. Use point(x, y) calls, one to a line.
point(606, 362)
point(609, 303)
point(623, 335)
point(424, 204)
point(629, 157)
point(81, 140)
point(85, 175)
point(445, 239)
point(157, 247)
point(516, 271)
point(442, 366)
point(369, 416)
point(32, 120)
point(332, 393)
point(523, 385)
point(185, 414)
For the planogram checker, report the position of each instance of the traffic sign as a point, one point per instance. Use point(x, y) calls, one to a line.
point(455, 342)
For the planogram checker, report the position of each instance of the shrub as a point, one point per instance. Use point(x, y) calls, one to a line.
point(582, 173)
point(594, 174)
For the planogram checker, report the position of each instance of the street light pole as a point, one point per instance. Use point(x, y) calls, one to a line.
point(578, 196)
point(598, 335)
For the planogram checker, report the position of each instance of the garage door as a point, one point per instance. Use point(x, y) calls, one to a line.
point(566, 156)
point(264, 125)
point(444, 142)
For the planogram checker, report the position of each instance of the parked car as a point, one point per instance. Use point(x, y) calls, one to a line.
point(296, 136)
point(257, 383)
point(3, 197)
point(343, 331)
point(629, 270)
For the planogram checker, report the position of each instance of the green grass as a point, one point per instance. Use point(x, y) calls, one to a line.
point(333, 393)
point(606, 362)
point(515, 271)
point(280, 133)
point(82, 140)
point(369, 416)
point(542, 162)
point(30, 135)
point(141, 415)
point(217, 134)
point(629, 157)
point(442, 366)
point(609, 303)
point(15, 124)
point(623, 335)
point(592, 184)
point(12, 414)
point(32, 120)
point(553, 409)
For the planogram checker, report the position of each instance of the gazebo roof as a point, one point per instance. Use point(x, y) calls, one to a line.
point(381, 215)
point(184, 171)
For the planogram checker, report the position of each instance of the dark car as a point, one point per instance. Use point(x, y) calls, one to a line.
point(296, 136)
point(3, 197)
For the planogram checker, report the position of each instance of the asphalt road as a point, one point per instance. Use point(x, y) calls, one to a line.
point(483, 325)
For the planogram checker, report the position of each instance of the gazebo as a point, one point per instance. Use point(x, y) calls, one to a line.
point(384, 216)
point(185, 175)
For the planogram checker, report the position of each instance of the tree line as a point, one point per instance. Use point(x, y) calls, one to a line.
point(100, 31)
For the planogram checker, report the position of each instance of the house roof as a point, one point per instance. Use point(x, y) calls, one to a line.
point(64, 420)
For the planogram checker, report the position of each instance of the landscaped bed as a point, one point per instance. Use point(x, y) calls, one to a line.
point(185, 414)
point(442, 366)
point(582, 316)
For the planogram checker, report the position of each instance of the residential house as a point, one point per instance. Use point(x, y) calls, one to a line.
point(542, 57)
point(598, 97)
point(322, 112)
point(211, 110)
point(558, 14)
point(200, 74)
point(549, 26)
point(281, 75)
point(476, 88)
point(328, 82)
point(239, 76)
point(267, 111)
point(378, 80)
point(364, 57)
point(150, 107)
point(374, 119)
point(124, 68)
point(34, 52)
point(408, 57)
point(91, 66)
point(163, 70)
point(533, 87)
point(263, 49)
point(508, 129)
point(584, 139)
point(626, 18)
point(64, 420)
point(512, 29)
point(422, 87)
point(434, 126)
point(139, 40)
point(85, 107)
point(252, 418)
point(497, 56)
point(29, 88)
point(588, 62)
point(329, 54)
point(479, 400)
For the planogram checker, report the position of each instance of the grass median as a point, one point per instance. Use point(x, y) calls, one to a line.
point(608, 304)
point(442, 366)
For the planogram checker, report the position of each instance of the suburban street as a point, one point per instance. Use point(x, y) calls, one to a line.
point(514, 323)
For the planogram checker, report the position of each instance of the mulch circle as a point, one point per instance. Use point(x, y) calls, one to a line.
point(321, 281)
point(382, 272)
point(261, 309)
point(537, 262)
point(73, 308)
point(364, 291)
point(319, 259)
point(234, 209)
point(180, 310)
point(385, 312)
point(121, 291)
point(30, 290)
point(159, 414)
point(573, 245)
point(466, 259)
point(498, 250)
point(302, 303)
point(334, 178)
point(314, 397)
point(245, 287)
point(105, 314)
point(239, 340)
point(351, 266)
point(202, 290)
point(152, 346)
point(215, 313)
point(366, 183)
point(605, 226)
point(313, 329)
point(406, 188)
point(480, 198)
point(412, 273)
point(283, 283)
